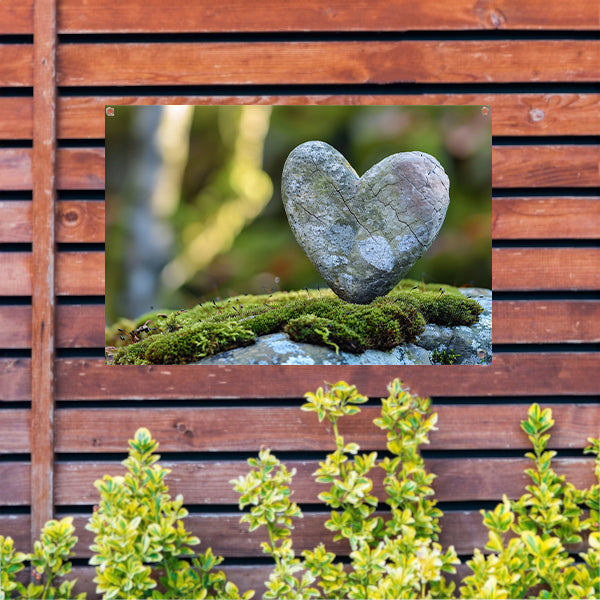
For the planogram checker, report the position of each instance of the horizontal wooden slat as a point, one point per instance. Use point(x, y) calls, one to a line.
point(290, 429)
point(534, 322)
point(15, 431)
point(515, 269)
point(77, 326)
point(15, 489)
point(512, 218)
point(362, 15)
point(16, 66)
point(546, 321)
point(528, 269)
point(17, 118)
point(77, 273)
point(15, 169)
point(554, 373)
point(365, 15)
point(15, 221)
point(458, 479)
point(80, 221)
point(527, 374)
point(513, 114)
point(80, 169)
point(76, 221)
point(545, 218)
point(543, 166)
point(220, 63)
point(513, 166)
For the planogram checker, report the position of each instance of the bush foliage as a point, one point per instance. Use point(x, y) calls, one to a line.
point(141, 548)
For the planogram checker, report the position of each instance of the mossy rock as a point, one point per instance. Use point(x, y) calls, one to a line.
point(313, 316)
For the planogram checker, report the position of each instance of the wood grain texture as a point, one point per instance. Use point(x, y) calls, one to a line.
point(363, 15)
point(546, 321)
point(16, 486)
point(43, 265)
point(515, 269)
point(516, 374)
point(528, 269)
point(16, 17)
point(15, 432)
point(15, 169)
point(77, 326)
point(77, 273)
point(16, 66)
point(512, 218)
point(80, 169)
point(553, 166)
point(106, 16)
point(223, 63)
point(17, 116)
point(545, 218)
point(15, 379)
point(513, 166)
point(80, 221)
point(15, 221)
point(208, 482)
point(515, 322)
point(290, 429)
point(513, 114)
point(76, 221)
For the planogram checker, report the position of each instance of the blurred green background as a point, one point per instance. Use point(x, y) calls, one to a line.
point(193, 202)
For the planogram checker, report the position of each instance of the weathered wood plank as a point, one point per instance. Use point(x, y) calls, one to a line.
point(15, 379)
point(80, 221)
point(16, 484)
point(513, 166)
point(290, 429)
point(528, 269)
point(16, 66)
point(513, 114)
point(17, 117)
point(80, 169)
point(516, 374)
point(15, 426)
point(534, 322)
point(223, 63)
point(43, 265)
point(77, 273)
point(515, 269)
point(553, 166)
point(546, 321)
point(77, 326)
point(545, 218)
point(15, 169)
point(15, 221)
point(205, 483)
point(512, 218)
point(76, 221)
point(364, 15)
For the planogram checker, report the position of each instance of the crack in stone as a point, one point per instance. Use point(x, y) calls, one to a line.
point(389, 205)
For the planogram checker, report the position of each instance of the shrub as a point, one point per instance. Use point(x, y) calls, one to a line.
point(142, 549)
point(400, 557)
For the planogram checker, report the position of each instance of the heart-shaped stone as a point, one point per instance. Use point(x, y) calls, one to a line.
point(363, 234)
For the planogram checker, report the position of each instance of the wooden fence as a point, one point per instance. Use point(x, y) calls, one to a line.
point(65, 417)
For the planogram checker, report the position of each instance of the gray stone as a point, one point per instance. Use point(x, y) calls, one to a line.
point(472, 344)
point(363, 234)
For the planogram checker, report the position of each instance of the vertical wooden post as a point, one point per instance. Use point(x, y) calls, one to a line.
point(43, 300)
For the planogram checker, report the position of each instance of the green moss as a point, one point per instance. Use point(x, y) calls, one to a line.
point(313, 316)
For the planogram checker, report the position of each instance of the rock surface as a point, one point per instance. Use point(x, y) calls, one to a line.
point(473, 345)
point(363, 234)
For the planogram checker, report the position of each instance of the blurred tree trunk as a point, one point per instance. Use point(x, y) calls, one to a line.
point(161, 136)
